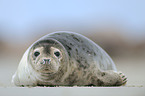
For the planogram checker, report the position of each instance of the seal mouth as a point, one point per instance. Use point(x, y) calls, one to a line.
point(48, 71)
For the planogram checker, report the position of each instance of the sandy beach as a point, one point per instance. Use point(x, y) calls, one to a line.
point(133, 67)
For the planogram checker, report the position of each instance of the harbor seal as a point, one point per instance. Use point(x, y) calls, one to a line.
point(66, 59)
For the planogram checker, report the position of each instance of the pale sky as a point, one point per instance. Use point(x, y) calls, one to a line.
point(19, 17)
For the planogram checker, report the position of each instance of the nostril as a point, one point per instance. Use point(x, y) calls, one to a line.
point(45, 61)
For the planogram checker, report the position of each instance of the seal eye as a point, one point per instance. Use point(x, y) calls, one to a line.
point(36, 53)
point(57, 54)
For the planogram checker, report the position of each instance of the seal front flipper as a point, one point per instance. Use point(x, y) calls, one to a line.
point(110, 78)
point(122, 80)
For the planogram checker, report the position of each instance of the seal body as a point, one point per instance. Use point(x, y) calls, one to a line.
point(66, 59)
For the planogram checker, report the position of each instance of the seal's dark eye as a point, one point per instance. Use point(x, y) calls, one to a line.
point(36, 53)
point(57, 54)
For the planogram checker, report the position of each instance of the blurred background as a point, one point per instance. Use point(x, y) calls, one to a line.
point(118, 26)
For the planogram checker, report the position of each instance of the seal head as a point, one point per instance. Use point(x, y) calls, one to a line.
point(46, 56)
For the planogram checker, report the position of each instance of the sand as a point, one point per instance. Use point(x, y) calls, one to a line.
point(133, 67)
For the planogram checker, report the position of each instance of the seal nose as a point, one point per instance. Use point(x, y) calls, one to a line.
point(46, 61)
